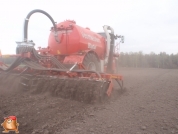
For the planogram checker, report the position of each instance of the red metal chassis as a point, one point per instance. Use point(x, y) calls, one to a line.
point(71, 74)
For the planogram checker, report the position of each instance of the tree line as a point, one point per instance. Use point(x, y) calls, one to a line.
point(136, 59)
point(152, 60)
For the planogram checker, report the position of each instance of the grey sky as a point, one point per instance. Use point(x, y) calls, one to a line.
point(148, 25)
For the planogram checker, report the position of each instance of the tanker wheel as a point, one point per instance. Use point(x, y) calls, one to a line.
point(91, 62)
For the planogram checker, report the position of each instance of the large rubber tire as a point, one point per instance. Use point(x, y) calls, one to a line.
point(91, 62)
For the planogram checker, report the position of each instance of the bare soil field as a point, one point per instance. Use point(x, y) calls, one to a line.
point(148, 105)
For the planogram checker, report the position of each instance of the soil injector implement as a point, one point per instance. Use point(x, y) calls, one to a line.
point(77, 63)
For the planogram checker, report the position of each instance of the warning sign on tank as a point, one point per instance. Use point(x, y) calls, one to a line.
point(91, 46)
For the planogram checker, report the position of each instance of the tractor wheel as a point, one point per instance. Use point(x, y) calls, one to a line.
point(91, 62)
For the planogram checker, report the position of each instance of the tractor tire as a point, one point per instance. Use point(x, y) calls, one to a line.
point(91, 62)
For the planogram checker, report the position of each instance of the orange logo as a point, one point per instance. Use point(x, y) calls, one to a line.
point(10, 124)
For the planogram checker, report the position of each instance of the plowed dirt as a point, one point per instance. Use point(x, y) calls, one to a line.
point(148, 105)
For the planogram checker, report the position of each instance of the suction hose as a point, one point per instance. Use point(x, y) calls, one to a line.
point(27, 20)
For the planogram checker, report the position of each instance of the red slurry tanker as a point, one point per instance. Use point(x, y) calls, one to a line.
point(77, 63)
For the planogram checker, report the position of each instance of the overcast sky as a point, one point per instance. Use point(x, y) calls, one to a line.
point(148, 25)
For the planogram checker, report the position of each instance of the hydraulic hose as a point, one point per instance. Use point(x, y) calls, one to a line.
point(27, 20)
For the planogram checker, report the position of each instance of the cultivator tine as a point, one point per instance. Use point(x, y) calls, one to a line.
point(110, 88)
point(103, 90)
point(27, 82)
point(121, 84)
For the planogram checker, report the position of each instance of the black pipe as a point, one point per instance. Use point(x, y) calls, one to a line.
point(27, 20)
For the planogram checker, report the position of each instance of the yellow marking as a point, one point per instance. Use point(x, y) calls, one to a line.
point(115, 77)
point(58, 52)
point(112, 76)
